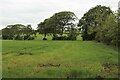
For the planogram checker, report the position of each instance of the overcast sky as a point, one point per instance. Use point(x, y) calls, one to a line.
point(34, 11)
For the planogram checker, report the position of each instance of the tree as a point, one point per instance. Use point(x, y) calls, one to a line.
point(107, 32)
point(101, 24)
point(7, 34)
point(60, 21)
point(44, 29)
point(57, 24)
point(15, 31)
point(92, 19)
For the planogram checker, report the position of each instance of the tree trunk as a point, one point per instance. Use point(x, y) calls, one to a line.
point(45, 35)
point(62, 32)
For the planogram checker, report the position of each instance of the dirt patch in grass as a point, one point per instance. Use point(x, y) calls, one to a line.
point(24, 53)
point(108, 67)
point(49, 65)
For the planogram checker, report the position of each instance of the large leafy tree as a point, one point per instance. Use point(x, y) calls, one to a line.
point(107, 32)
point(61, 21)
point(92, 20)
point(19, 29)
point(101, 24)
point(7, 34)
point(44, 29)
point(11, 31)
point(57, 24)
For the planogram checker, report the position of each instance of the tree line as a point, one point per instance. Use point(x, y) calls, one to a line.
point(18, 32)
point(100, 23)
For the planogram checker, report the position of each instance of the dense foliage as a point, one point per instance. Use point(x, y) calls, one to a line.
point(100, 24)
point(58, 24)
point(18, 32)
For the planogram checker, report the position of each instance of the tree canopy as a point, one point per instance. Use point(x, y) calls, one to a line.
point(92, 19)
point(17, 30)
point(58, 23)
point(101, 24)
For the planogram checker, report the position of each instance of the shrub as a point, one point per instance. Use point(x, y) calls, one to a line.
point(71, 37)
point(26, 37)
point(107, 40)
point(44, 38)
point(86, 36)
point(60, 38)
point(31, 38)
point(7, 37)
point(115, 42)
point(4, 37)
point(18, 37)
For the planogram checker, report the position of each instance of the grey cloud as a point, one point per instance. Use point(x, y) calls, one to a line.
point(35, 11)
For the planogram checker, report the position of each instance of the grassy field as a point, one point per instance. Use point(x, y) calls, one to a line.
point(58, 59)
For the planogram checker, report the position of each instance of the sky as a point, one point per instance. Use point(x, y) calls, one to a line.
point(35, 11)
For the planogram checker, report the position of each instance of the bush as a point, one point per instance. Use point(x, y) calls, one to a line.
point(59, 38)
point(107, 40)
point(18, 37)
point(115, 42)
point(31, 38)
point(44, 38)
point(26, 37)
point(7, 37)
point(70, 37)
point(4, 37)
point(87, 36)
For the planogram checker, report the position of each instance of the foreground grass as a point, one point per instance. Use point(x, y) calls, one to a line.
point(56, 59)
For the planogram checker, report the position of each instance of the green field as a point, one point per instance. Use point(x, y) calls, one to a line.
point(58, 59)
